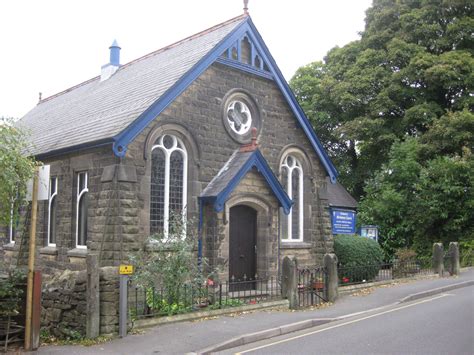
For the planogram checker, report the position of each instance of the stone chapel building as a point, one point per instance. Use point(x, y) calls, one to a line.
point(206, 127)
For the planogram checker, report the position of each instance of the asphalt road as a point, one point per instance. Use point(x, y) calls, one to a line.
point(441, 324)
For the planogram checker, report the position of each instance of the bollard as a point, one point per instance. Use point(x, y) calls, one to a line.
point(454, 256)
point(438, 255)
point(290, 282)
point(332, 280)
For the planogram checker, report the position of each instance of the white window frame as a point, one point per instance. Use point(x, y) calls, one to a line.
point(10, 227)
point(50, 201)
point(79, 195)
point(179, 146)
point(289, 189)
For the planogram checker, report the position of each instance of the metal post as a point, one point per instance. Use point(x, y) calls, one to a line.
point(123, 314)
point(31, 262)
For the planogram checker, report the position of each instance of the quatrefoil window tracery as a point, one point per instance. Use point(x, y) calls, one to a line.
point(239, 117)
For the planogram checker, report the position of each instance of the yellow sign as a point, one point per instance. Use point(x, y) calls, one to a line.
point(126, 269)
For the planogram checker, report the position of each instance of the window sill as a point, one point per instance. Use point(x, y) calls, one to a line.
point(77, 253)
point(295, 245)
point(48, 251)
point(9, 246)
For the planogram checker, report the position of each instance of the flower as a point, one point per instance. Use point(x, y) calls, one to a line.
point(345, 279)
point(210, 282)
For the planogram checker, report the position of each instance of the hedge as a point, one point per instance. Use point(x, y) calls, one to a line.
point(359, 258)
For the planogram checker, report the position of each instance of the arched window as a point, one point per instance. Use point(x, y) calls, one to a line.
point(292, 180)
point(52, 211)
point(169, 172)
point(81, 209)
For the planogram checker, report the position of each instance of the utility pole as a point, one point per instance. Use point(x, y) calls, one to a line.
point(31, 263)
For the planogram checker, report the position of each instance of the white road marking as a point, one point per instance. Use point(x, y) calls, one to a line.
point(346, 323)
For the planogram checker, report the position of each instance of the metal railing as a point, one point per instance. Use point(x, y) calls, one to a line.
point(147, 302)
point(312, 285)
point(358, 274)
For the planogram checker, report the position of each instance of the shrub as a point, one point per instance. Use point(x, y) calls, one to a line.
point(405, 263)
point(466, 252)
point(359, 258)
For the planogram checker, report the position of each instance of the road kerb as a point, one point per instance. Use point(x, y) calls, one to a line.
point(435, 291)
point(265, 334)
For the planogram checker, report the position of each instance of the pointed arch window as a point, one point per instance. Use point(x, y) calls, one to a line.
point(11, 227)
point(52, 211)
point(81, 210)
point(169, 173)
point(292, 179)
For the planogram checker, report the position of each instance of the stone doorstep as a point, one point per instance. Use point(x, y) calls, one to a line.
point(150, 322)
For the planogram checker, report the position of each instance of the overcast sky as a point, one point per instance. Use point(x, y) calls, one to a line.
point(49, 45)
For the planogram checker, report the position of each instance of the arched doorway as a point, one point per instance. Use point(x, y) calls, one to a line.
point(242, 245)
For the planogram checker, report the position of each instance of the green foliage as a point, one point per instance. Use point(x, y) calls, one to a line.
point(170, 264)
point(359, 256)
point(466, 249)
point(15, 170)
point(411, 70)
point(418, 197)
point(11, 292)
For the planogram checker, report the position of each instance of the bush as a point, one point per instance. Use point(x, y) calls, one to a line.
point(466, 252)
point(359, 258)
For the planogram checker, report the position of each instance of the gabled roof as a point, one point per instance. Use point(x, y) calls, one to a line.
point(95, 112)
point(116, 110)
point(239, 164)
point(338, 196)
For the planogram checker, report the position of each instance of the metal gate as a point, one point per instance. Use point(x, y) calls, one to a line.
point(312, 285)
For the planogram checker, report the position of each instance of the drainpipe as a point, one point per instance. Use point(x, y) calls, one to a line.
point(279, 227)
point(200, 225)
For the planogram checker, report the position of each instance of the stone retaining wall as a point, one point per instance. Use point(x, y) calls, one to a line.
point(64, 302)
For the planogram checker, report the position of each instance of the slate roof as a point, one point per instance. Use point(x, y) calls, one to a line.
point(238, 165)
point(338, 196)
point(96, 111)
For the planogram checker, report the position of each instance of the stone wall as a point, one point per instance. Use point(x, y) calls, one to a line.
point(64, 302)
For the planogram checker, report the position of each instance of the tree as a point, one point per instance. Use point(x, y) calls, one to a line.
point(15, 170)
point(425, 192)
point(413, 63)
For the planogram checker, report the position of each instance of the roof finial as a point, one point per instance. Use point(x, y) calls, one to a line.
point(246, 7)
point(39, 97)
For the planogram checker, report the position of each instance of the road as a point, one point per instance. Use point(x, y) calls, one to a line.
point(441, 324)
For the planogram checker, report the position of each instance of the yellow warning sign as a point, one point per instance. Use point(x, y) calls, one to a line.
point(126, 269)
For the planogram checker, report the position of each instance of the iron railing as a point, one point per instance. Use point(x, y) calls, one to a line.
point(358, 274)
point(312, 285)
point(147, 302)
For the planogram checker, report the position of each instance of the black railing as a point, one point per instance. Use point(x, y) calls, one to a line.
point(312, 285)
point(157, 302)
point(358, 274)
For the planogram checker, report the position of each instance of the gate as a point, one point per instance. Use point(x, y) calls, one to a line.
point(312, 285)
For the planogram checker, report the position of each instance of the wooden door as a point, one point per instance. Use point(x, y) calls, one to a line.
point(242, 246)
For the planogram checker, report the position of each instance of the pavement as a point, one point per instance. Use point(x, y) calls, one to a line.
point(224, 331)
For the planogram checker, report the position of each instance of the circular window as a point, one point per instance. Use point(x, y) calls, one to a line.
point(239, 117)
point(240, 114)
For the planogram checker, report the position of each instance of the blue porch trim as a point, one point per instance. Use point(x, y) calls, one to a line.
point(258, 161)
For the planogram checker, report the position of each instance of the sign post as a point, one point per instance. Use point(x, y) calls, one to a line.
point(124, 271)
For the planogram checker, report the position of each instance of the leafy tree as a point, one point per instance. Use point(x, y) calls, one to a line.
point(424, 193)
point(15, 170)
point(413, 63)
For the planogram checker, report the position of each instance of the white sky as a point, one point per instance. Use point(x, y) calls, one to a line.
point(50, 45)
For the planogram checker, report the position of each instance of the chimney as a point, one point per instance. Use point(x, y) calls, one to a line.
point(110, 68)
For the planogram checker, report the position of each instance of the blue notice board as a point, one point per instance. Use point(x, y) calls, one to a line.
point(343, 221)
